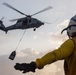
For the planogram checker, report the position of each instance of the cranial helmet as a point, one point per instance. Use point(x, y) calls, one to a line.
point(71, 27)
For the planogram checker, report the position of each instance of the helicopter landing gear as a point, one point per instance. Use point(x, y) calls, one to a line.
point(34, 29)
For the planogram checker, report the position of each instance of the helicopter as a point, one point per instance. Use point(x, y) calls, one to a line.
point(24, 22)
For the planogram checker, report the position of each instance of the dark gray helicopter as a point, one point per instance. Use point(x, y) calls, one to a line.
point(25, 22)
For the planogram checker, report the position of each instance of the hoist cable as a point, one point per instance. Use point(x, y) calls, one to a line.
point(20, 40)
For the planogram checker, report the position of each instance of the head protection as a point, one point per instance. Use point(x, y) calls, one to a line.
point(71, 27)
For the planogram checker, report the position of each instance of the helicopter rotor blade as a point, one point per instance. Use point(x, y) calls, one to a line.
point(2, 18)
point(49, 7)
point(13, 20)
point(16, 19)
point(6, 4)
point(47, 22)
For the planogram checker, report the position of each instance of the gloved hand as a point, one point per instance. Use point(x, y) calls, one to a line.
point(26, 67)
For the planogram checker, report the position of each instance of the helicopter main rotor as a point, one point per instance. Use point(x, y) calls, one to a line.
point(6, 4)
point(45, 9)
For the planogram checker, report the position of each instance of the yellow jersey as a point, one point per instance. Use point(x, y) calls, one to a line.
point(62, 53)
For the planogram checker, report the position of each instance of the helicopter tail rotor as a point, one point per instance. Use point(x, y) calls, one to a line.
point(1, 22)
point(2, 18)
point(2, 27)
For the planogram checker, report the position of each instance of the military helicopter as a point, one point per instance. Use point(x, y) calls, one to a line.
point(25, 22)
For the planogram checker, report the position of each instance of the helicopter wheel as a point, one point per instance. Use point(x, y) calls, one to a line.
point(34, 29)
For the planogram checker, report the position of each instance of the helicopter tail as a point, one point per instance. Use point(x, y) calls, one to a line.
point(2, 27)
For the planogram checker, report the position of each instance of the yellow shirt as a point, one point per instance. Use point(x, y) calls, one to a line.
point(63, 52)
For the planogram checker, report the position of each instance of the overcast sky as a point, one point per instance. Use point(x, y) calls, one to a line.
point(40, 40)
point(28, 55)
point(47, 37)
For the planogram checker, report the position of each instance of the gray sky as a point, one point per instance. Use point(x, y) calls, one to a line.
point(39, 40)
point(45, 38)
point(28, 55)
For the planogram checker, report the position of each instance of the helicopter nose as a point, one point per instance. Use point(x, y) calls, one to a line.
point(42, 23)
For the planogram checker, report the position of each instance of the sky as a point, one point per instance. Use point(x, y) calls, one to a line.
point(46, 38)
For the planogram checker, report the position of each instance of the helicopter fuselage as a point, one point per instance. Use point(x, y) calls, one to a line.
point(26, 23)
